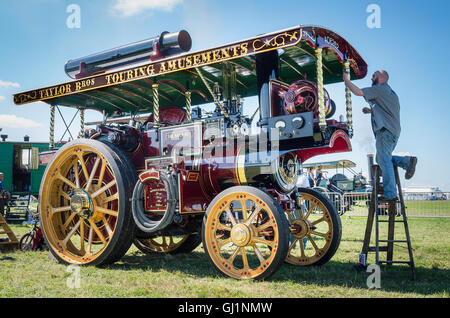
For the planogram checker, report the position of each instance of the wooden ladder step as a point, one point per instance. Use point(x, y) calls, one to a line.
point(393, 241)
point(9, 242)
point(392, 221)
point(380, 248)
point(394, 262)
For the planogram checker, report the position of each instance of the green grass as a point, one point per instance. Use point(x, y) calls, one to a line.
point(414, 208)
point(33, 274)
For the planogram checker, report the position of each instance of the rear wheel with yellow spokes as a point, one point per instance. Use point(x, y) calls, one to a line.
point(245, 233)
point(84, 203)
point(174, 244)
point(315, 229)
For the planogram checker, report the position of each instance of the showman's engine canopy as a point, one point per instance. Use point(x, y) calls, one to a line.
point(164, 171)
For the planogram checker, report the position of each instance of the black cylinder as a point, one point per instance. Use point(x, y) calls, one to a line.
point(267, 67)
point(169, 44)
point(370, 163)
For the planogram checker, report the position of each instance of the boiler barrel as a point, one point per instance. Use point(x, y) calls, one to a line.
point(169, 44)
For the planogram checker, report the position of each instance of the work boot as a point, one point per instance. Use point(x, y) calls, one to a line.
point(411, 168)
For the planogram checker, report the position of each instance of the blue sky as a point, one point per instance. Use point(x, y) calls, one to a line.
point(411, 45)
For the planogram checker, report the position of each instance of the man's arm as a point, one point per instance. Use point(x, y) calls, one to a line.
point(353, 88)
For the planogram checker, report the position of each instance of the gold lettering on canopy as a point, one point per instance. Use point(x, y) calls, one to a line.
point(197, 59)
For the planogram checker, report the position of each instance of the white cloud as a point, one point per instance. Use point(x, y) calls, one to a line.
point(2, 98)
point(128, 8)
point(12, 121)
point(8, 84)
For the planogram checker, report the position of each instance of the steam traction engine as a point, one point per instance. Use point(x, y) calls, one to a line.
point(182, 176)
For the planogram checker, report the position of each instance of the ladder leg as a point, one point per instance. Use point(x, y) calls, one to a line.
point(405, 223)
point(377, 234)
point(391, 228)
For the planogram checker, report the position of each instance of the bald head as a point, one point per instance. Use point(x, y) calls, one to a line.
point(380, 77)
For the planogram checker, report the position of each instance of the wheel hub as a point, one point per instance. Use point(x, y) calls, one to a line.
point(240, 235)
point(300, 228)
point(81, 203)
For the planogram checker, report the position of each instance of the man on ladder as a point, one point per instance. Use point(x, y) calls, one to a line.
point(385, 111)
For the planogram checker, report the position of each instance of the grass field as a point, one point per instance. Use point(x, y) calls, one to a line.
point(33, 274)
point(414, 208)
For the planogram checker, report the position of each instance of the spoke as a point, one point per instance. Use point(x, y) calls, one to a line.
point(164, 241)
point(83, 166)
point(65, 180)
point(223, 227)
point(108, 228)
point(290, 216)
point(292, 245)
point(69, 220)
point(66, 196)
point(67, 238)
point(76, 172)
point(106, 211)
point(312, 242)
point(244, 208)
point(324, 235)
point(91, 234)
point(302, 248)
point(223, 243)
point(82, 226)
point(233, 256)
point(103, 189)
point(230, 215)
point(313, 205)
point(113, 197)
point(252, 216)
point(91, 177)
point(259, 254)
point(98, 232)
point(102, 172)
point(318, 221)
point(244, 258)
point(263, 241)
point(61, 209)
point(171, 241)
point(263, 226)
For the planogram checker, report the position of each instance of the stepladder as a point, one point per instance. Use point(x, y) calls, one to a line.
point(396, 213)
point(11, 241)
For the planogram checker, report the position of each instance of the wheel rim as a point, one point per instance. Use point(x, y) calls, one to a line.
point(164, 244)
point(311, 230)
point(242, 243)
point(27, 242)
point(79, 204)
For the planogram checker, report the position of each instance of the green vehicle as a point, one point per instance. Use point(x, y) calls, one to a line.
point(339, 182)
point(22, 172)
point(19, 163)
point(342, 190)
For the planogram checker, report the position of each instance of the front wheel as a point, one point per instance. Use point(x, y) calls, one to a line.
point(245, 233)
point(26, 242)
point(315, 228)
point(85, 211)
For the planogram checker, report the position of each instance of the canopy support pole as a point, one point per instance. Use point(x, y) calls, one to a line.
point(155, 104)
point(52, 127)
point(188, 106)
point(348, 102)
point(81, 123)
point(320, 93)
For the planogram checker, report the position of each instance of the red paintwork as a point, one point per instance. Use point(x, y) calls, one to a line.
point(339, 142)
